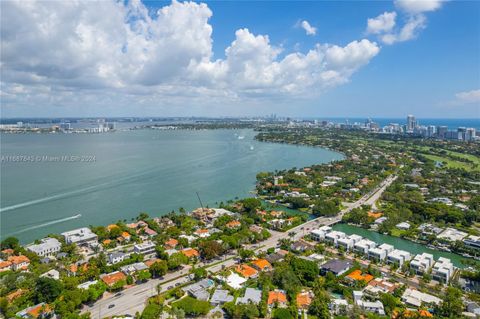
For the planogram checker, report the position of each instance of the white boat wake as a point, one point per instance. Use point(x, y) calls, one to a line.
point(57, 221)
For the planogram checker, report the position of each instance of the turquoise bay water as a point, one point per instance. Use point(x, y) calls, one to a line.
point(134, 171)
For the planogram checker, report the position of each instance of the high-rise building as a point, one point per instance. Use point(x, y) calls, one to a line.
point(411, 123)
point(470, 134)
point(431, 131)
point(442, 131)
point(461, 132)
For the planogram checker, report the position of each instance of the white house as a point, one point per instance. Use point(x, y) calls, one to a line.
point(334, 236)
point(416, 298)
point(80, 236)
point(145, 248)
point(403, 225)
point(319, 234)
point(380, 253)
point(116, 257)
point(398, 257)
point(421, 263)
point(348, 242)
point(47, 247)
point(363, 246)
point(443, 270)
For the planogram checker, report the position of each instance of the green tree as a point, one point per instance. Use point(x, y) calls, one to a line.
point(9, 243)
point(47, 289)
point(144, 275)
point(452, 305)
point(159, 268)
point(210, 249)
point(176, 260)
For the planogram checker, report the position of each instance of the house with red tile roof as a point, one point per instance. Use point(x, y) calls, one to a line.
point(171, 243)
point(357, 275)
point(233, 224)
point(246, 271)
point(190, 252)
point(126, 236)
point(304, 299)
point(19, 262)
point(277, 297)
point(262, 265)
point(5, 265)
point(202, 233)
point(8, 252)
point(113, 278)
point(42, 310)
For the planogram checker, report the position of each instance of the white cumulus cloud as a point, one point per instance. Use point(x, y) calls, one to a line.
point(67, 54)
point(472, 96)
point(418, 6)
point(308, 28)
point(383, 23)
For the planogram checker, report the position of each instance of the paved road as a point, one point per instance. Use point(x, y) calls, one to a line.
point(133, 299)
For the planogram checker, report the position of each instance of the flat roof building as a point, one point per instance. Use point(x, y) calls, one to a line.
point(363, 246)
point(47, 247)
point(80, 236)
point(451, 234)
point(398, 257)
point(443, 270)
point(334, 236)
point(380, 253)
point(421, 263)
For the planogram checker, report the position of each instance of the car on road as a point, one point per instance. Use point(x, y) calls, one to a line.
point(178, 284)
point(111, 306)
point(169, 287)
point(119, 294)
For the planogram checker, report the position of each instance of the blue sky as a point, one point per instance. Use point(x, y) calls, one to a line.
point(176, 61)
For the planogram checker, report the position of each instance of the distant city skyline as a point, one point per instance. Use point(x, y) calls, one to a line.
point(307, 59)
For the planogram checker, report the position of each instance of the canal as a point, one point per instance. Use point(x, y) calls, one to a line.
point(399, 243)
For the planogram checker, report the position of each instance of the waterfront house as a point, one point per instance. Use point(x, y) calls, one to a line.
point(452, 235)
point(363, 246)
point(421, 263)
point(443, 269)
point(403, 226)
point(126, 236)
point(472, 241)
point(333, 236)
point(380, 253)
point(319, 234)
point(47, 247)
point(277, 297)
point(336, 266)
point(398, 257)
point(251, 295)
point(81, 236)
point(348, 242)
point(113, 278)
